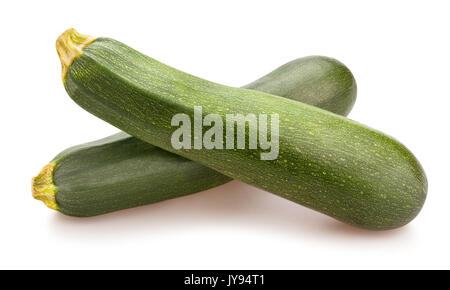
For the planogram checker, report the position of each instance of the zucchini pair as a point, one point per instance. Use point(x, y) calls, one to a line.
point(325, 161)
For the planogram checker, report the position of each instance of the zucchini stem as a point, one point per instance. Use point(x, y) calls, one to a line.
point(69, 45)
point(43, 188)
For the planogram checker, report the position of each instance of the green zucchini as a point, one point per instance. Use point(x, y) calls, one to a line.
point(121, 171)
point(324, 161)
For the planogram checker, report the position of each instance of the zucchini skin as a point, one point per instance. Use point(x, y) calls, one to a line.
point(318, 81)
point(121, 171)
point(326, 162)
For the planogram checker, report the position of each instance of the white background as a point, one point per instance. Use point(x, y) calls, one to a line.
point(397, 50)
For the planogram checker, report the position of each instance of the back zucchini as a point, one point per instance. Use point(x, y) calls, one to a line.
point(121, 171)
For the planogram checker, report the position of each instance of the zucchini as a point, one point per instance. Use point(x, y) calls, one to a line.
point(324, 161)
point(121, 171)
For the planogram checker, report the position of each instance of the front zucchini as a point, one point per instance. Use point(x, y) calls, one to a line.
point(121, 171)
point(325, 162)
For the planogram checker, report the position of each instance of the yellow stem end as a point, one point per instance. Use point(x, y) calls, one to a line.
point(69, 45)
point(42, 186)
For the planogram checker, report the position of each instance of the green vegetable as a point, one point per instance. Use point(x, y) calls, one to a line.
point(326, 162)
point(121, 171)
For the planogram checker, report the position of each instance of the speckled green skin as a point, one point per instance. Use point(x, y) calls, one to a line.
point(326, 162)
point(121, 171)
point(316, 80)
